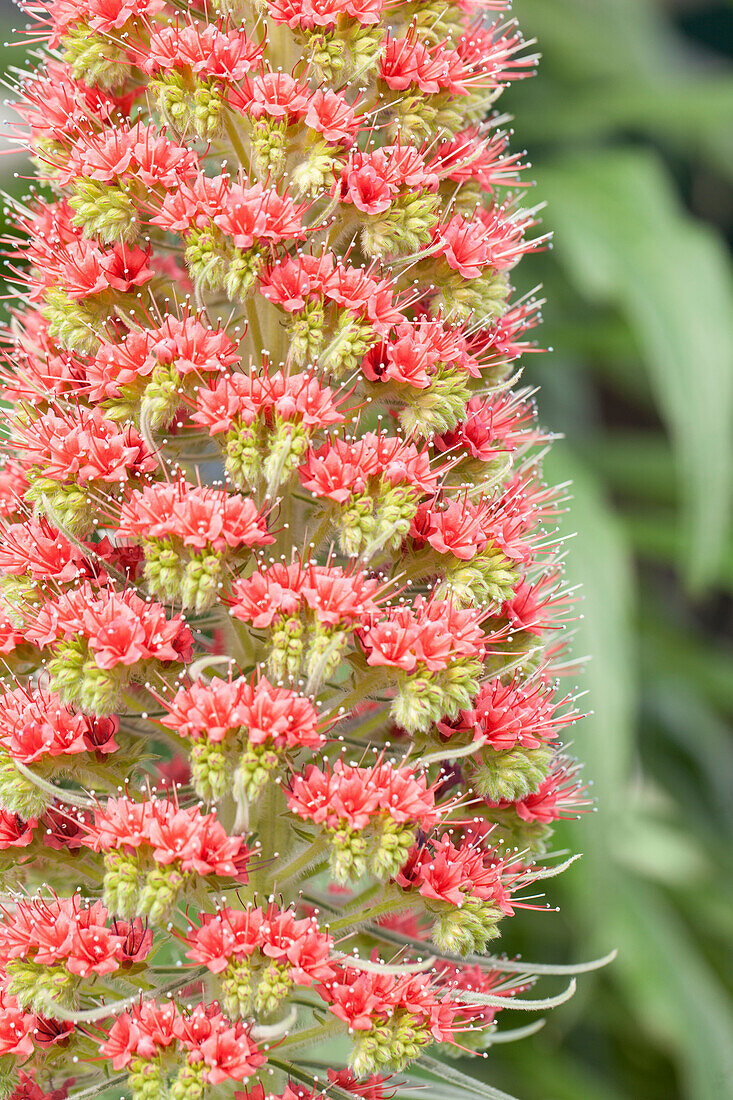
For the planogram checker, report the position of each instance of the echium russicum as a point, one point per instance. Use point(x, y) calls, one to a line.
point(282, 610)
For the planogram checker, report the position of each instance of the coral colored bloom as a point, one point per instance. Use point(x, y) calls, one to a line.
point(282, 607)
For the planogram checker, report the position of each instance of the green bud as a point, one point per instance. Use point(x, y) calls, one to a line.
point(485, 296)
point(104, 211)
point(508, 775)
point(208, 109)
point(76, 325)
point(242, 273)
point(163, 569)
point(287, 446)
point(306, 334)
point(426, 697)
point(437, 21)
point(365, 46)
point(439, 406)
point(189, 1084)
point(286, 652)
point(403, 228)
point(390, 1046)
point(201, 580)
point(255, 766)
point(208, 255)
point(274, 986)
point(100, 688)
point(163, 885)
point(415, 117)
point(311, 175)
point(70, 503)
point(357, 525)
point(39, 987)
point(162, 395)
point(236, 987)
point(348, 854)
point(325, 651)
point(327, 56)
point(269, 146)
point(173, 93)
point(147, 1080)
point(348, 346)
point(94, 58)
point(123, 880)
point(211, 769)
point(243, 461)
point(392, 848)
point(465, 929)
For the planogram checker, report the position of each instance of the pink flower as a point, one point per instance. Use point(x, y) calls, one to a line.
point(193, 841)
point(354, 796)
point(265, 713)
point(199, 517)
point(84, 447)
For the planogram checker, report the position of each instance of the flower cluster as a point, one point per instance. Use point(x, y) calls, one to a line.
point(48, 945)
point(243, 732)
point(155, 850)
point(210, 1049)
point(261, 955)
point(371, 815)
point(390, 1017)
point(282, 609)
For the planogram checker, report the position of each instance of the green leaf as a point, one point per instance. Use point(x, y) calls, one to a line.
point(674, 991)
point(624, 240)
point(447, 1074)
point(494, 962)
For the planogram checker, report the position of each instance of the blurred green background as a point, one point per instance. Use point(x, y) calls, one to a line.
point(630, 130)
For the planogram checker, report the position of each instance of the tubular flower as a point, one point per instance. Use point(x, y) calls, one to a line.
point(244, 733)
point(261, 956)
point(153, 850)
point(370, 815)
point(282, 610)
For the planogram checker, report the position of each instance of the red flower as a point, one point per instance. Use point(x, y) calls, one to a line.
point(34, 724)
point(119, 627)
point(83, 446)
point(522, 712)
point(61, 931)
point(335, 597)
point(186, 344)
point(298, 398)
point(354, 796)
point(264, 712)
point(192, 840)
point(201, 517)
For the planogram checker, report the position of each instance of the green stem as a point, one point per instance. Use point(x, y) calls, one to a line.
point(324, 526)
point(254, 330)
point(351, 920)
point(236, 140)
point(367, 684)
point(309, 1036)
point(283, 875)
